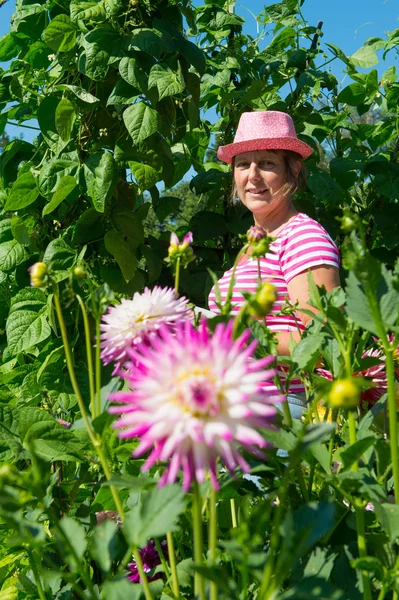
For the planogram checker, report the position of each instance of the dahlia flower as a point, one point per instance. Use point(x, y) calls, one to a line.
point(194, 398)
point(150, 557)
point(135, 321)
point(181, 251)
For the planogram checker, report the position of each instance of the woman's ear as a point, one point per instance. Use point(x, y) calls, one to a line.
point(296, 168)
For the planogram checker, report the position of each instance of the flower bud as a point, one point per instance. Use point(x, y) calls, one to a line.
point(349, 222)
point(262, 302)
point(38, 274)
point(255, 233)
point(182, 251)
point(344, 393)
point(79, 272)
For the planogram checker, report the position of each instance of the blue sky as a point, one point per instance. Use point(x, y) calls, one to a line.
point(346, 23)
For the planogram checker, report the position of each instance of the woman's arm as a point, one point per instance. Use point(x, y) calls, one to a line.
point(298, 291)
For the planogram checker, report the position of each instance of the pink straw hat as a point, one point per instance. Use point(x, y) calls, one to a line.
point(264, 130)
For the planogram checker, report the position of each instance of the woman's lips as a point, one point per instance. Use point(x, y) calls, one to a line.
point(257, 191)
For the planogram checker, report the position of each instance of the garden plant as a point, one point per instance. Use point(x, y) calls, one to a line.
point(138, 456)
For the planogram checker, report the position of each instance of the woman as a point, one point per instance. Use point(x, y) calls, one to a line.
point(267, 159)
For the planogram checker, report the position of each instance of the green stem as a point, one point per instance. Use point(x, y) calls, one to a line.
point(98, 367)
point(233, 513)
point(143, 576)
point(287, 413)
point(334, 417)
point(359, 512)
point(177, 275)
point(213, 540)
point(162, 557)
point(36, 575)
point(199, 588)
point(89, 356)
point(232, 280)
point(93, 436)
point(302, 484)
point(172, 561)
point(393, 424)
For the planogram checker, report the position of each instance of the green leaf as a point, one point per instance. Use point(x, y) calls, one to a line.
point(122, 589)
point(123, 93)
point(103, 544)
point(12, 253)
point(91, 11)
point(9, 428)
point(90, 226)
point(155, 514)
point(19, 231)
point(94, 62)
point(388, 516)
point(167, 82)
point(79, 92)
point(141, 121)
point(357, 305)
point(23, 192)
point(27, 323)
point(59, 255)
point(154, 263)
point(324, 187)
point(132, 72)
point(65, 118)
point(145, 175)
point(166, 206)
point(365, 57)
point(99, 171)
point(354, 94)
point(60, 35)
point(9, 47)
point(46, 116)
point(307, 350)
point(122, 252)
point(131, 226)
point(67, 188)
point(146, 40)
point(53, 172)
point(76, 536)
point(207, 225)
point(355, 451)
point(194, 55)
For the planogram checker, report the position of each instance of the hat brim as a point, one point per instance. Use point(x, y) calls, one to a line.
point(226, 153)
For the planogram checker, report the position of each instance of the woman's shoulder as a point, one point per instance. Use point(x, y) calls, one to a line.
point(302, 226)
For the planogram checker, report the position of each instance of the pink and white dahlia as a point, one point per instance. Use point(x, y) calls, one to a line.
point(196, 397)
point(134, 321)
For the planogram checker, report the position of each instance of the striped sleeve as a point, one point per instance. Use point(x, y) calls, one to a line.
point(307, 245)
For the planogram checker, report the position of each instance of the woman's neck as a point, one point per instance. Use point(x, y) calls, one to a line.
point(272, 223)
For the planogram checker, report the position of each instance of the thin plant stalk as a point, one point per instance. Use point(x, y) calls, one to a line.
point(172, 561)
point(98, 367)
point(93, 436)
point(393, 424)
point(199, 588)
point(213, 540)
point(36, 575)
point(89, 354)
point(233, 513)
point(359, 512)
point(177, 275)
point(162, 557)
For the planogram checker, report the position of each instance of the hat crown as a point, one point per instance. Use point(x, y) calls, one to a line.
point(264, 124)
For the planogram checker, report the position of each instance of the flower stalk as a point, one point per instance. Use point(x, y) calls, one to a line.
point(199, 588)
point(90, 368)
point(172, 561)
point(213, 540)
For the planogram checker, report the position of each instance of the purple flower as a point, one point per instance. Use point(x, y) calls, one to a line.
point(65, 424)
point(150, 557)
point(135, 321)
point(194, 398)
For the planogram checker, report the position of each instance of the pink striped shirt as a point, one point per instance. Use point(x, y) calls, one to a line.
point(301, 244)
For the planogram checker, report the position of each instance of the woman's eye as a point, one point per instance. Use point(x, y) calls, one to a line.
point(267, 163)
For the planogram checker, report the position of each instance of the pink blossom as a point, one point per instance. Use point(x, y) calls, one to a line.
point(150, 557)
point(195, 398)
point(65, 424)
point(137, 320)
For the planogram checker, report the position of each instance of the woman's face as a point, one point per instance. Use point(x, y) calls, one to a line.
point(259, 176)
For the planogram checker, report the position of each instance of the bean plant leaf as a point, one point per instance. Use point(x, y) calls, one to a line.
point(155, 514)
point(365, 57)
point(167, 81)
point(388, 516)
point(145, 175)
point(99, 171)
point(12, 253)
point(122, 251)
point(67, 188)
point(79, 92)
point(132, 72)
point(20, 231)
point(60, 35)
point(46, 116)
point(59, 255)
point(141, 121)
point(65, 118)
point(23, 193)
point(53, 172)
point(8, 47)
point(27, 324)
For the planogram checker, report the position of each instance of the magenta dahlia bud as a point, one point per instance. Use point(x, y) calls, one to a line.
point(255, 234)
point(38, 274)
point(196, 399)
point(181, 251)
point(150, 558)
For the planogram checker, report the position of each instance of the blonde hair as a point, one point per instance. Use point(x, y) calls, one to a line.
point(293, 182)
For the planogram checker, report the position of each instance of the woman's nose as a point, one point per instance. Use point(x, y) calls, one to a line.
point(253, 171)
